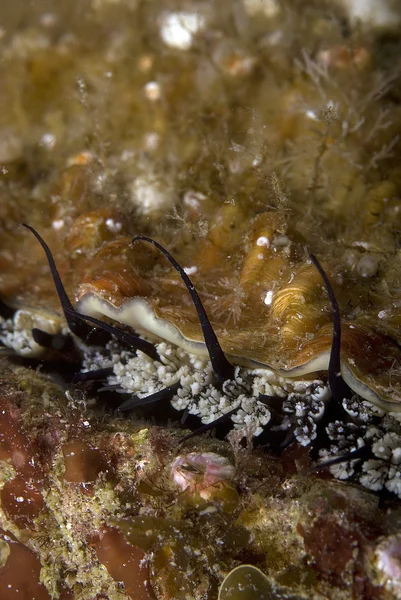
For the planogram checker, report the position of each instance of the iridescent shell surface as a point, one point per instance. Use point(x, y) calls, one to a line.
point(265, 299)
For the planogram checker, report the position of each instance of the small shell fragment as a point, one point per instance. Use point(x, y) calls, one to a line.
point(246, 582)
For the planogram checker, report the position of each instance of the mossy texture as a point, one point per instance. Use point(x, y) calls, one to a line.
point(190, 121)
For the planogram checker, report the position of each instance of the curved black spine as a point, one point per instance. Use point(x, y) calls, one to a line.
point(221, 366)
point(75, 325)
point(211, 425)
point(134, 402)
point(6, 311)
point(53, 341)
point(338, 387)
point(362, 453)
point(133, 341)
point(95, 375)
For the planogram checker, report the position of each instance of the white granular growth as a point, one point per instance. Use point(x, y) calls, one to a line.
point(197, 391)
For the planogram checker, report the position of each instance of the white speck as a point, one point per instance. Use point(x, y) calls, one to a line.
point(86, 424)
point(127, 155)
point(281, 240)
point(193, 199)
point(150, 194)
point(268, 298)
point(58, 224)
point(364, 245)
point(99, 181)
point(190, 270)
point(48, 19)
point(113, 226)
point(152, 91)
point(311, 115)
point(382, 314)
point(208, 510)
point(178, 28)
point(237, 147)
point(260, 256)
point(48, 141)
point(367, 266)
point(151, 141)
point(19, 499)
point(263, 241)
point(274, 38)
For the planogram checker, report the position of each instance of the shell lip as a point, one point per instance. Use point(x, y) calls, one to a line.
point(139, 314)
point(319, 363)
point(367, 393)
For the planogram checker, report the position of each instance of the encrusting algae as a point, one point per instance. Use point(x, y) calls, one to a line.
point(251, 151)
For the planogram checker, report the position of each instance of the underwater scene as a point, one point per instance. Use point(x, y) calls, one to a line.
point(200, 300)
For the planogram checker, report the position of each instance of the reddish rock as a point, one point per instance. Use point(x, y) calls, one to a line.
point(125, 563)
point(82, 463)
point(21, 501)
point(15, 446)
point(19, 578)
